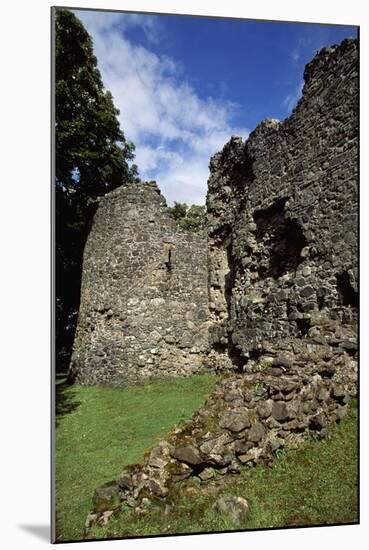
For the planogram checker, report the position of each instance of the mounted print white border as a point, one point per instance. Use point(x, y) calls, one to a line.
point(25, 225)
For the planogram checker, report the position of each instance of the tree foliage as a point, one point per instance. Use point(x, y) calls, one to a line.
point(92, 157)
point(89, 141)
point(192, 218)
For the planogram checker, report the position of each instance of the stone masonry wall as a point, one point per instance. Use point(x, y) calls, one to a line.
point(282, 258)
point(144, 299)
point(282, 212)
point(245, 421)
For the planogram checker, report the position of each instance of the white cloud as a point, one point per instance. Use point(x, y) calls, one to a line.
point(174, 130)
point(290, 101)
point(105, 21)
point(295, 55)
point(186, 181)
point(150, 158)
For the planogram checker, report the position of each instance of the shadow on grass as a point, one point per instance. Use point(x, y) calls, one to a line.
point(65, 400)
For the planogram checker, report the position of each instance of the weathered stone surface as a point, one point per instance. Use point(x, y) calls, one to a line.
point(318, 422)
point(282, 282)
point(157, 462)
point(272, 443)
point(188, 454)
point(280, 411)
point(251, 456)
point(237, 508)
point(282, 361)
point(157, 488)
point(90, 520)
point(206, 474)
point(144, 297)
point(234, 420)
point(349, 345)
point(256, 432)
point(214, 449)
point(282, 215)
point(264, 409)
point(106, 497)
point(181, 471)
point(125, 481)
point(104, 518)
point(242, 446)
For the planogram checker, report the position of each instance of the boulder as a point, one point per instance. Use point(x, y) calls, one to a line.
point(241, 447)
point(214, 450)
point(206, 474)
point(106, 497)
point(158, 488)
point(125, 481)
point(236, 508)
point(280, 411)
point(256, 432)
point(282, 361)
point(318, 422)
point(251, 456)
point(188, 454)
point(234, 420)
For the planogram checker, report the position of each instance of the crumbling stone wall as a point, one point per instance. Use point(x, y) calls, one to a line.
point(244, 422)
point(282, 256)
point(282, 212)
point(144, 299)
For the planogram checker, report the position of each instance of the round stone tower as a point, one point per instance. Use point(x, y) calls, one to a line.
point(144, 298)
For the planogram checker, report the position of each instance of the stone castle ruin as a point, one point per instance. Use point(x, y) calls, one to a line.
point(268, 295)
point(277, 265)
point(282, 214)
point(144, 299)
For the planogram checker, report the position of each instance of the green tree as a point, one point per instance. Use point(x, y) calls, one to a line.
point(92, 157)
point(178, 211)
point(192, 218)
point(196, 217)
point(92, 153)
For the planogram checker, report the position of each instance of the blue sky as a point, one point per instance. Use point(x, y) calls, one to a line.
point(184, 85)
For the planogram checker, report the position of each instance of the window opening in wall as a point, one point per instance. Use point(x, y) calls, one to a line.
point(348, 295)
point(169, 255)
point(282, 239)
point(168, 263)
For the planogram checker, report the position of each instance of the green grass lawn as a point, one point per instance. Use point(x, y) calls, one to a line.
point(314, 485)
point(101, 430)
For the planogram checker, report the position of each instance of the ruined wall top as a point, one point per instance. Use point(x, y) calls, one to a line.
point(283, 296)
point(282, 213)
point(144, 304)
point(279, 264)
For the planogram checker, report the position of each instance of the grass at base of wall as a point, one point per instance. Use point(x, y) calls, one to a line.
point(101, 430)
point(316, 484)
